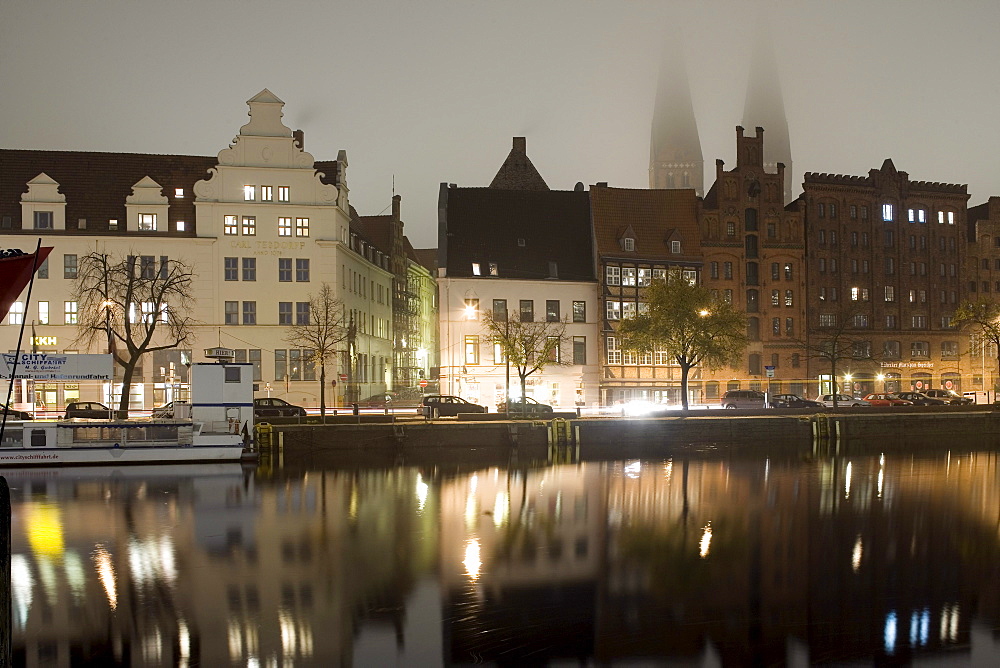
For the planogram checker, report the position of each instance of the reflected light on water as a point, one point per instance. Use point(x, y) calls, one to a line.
point(151, 559)
point(500, 510)
point(633, 469)
point(856, 554)
point(847, 481)
point(706, 540)
point(296, 637)
point(183, 643)
point(22, 585)
point(106, 574)
point(45, 529)
point(889, 633)
point(471, 562)
point(422, 489)
point(949, 622)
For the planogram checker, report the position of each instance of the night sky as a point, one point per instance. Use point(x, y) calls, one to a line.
point(431, 91)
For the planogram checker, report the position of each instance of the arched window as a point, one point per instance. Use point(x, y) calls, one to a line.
point(753, 301)
point(750, 219)
point(754, 365)
point(751, 245)
point(753, 328)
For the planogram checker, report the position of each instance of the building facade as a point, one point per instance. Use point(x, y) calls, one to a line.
point(263, 226)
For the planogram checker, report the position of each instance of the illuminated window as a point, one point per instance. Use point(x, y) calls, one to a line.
point(16, 315)
point(181, 226)
point(788, 297)
point(613, 275)
point(232, 225)
point(552, 345)
point(265, 194)
point(147, 222)
point(302, 227)
point(472, 349)
point(614, 353)
point(284, 227)
point(179, 193)
point(283, 194)
point(43, 313)
point(628, 276)
point(614, 310)
point(887, 212)
point(249, 226)
point(475, 269)
point(629, 244)
point(249, 193)
point(70, 312)
point(148, 312)
point(890, 293)
point(675, 247)
point(951, 217)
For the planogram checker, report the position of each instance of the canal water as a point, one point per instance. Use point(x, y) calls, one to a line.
point(702, 559)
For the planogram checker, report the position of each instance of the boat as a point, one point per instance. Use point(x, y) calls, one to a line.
point(130, 441)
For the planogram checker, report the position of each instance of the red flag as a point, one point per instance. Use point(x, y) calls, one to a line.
point(15, 273)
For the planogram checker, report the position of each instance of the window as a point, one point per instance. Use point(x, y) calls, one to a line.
point(861, 321)
point(751, 268)
point(231, 270)
point(890, 321)
point(614, 353)
point(727, 270)
point(919, 322)
point(890, 293)
point(249, 269)
point(43, 313)
point(919, 349)
point(775, 271)
point(70, 312)
point(249, 193)
point(753, 305)
point(788, 297)
point(890, 238)
point(232, 313)
point(788, 271)
point(754, 363)
point(822, 265)
point(147, 266)
point(629, 243)
point(552, 345)
point(471, 310)
point(249, 225)
point(302, 270)
point(552, 310)
point(772, 230)
point(472, 349)
point(579, 311)
point(675, 247)
point(43, 269)
point(614, 310)
point(284, 313)
point(727, 296)
point(43, 220)
point(887, 213)
point(498, 356)
point(776, 326)
point(661, 275)
point(890, 266)
point(775, 297)
point(827, 320)
point(475, 269)
point(628, 276)
point(231, 225)
point(500, 309)
point(951, 217)
point(821, 210)
point(821, 234)
point(69, 266)
point(613, 275)
point(284, 227)
point(890, 349)
point(861, 349)
point(911, 215)
point(16, 315)
point(302, 227)
point(855, 294)
point(753, 328)
point(283, 194)
point(750, 245)
point(284, 269)
point(946, 322)
point(854, 212)
point(730, 229)
point(949, 349)
point(864, 213)
point(644, 277)
point(527, 310)
point(249, 313)
point(789, 326)
point(301, 313)
point(796, 360)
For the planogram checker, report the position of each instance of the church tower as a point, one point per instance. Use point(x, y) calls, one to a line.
point(765, 108)
point(675, 159)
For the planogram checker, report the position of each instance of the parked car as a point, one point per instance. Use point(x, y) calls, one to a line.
point(88, 409)
point(842, 400)
point(886, 399)
point(742, 399)
point(395, 399)
point(268, 407)
point(793, 401)
point(921, 399)
point(446, 405)
point(526, 407)
point(14, 414)
point(167, 409)
point(949, 396)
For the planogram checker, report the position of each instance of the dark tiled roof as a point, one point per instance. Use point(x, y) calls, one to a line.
point(485, 224)
point(517, 171)
point(96, 184)
point(655, 216)
point(377, 230)
point(428, 257)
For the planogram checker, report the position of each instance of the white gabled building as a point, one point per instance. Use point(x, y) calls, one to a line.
point(264, 225)
point(516, 247)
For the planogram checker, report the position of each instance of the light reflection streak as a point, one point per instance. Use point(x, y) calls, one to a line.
point(106, 574)
point(76, 578)
point(890, 633)
point(500, 510)
point(422, 489)
point(183, 642)
point(847, 481)
point(856, 554)
point(706, 540)
point(22, 585)
point(633, 469)
point(44, 528)
point(471, 562)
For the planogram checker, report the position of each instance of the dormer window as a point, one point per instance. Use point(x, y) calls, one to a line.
point(629, 243)
point(493, 269)
point(475, 269)
point(520, 242)
point(179, 193)
point(675, 247)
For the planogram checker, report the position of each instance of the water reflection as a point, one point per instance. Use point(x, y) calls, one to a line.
point(738, 561)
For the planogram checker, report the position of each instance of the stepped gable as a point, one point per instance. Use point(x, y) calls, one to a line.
point(96, 185)
point(521, 231)
point(517, 171)
point(655, 216)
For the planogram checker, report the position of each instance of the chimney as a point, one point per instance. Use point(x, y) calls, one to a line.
point(300, 138)
point(395, 206)
point(520, 144)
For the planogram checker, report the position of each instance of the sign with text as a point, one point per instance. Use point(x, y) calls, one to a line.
point(47, 366)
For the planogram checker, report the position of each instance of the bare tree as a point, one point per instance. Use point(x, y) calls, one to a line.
point(135, 305)
point(528, 347)
point(981, 318)
point(837, 339)
point(323, 332)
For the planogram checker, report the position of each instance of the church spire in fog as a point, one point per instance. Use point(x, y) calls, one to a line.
point(765, 108)
point(675, 159)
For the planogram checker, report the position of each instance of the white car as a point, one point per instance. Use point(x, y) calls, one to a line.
point(842, 400)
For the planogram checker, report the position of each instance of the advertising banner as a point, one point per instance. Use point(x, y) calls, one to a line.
point(48, 366)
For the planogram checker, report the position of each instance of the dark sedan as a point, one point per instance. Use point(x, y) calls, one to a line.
point(88, 409)
point(14, 414)
point(528, 406)
point(446, 405)
point(793, 401)
point(921, 399)
point(267, 407)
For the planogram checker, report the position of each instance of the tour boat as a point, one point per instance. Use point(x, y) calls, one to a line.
point(88, 441)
